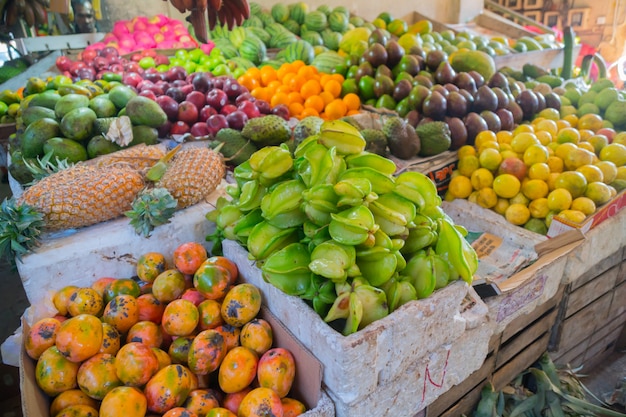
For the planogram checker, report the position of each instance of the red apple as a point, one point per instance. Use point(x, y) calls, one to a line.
point(188, 112)
point(228, 109)
point(216, 98)
point(179, 128)
point(161, 60)
point(76, 65)
point(281, 110)
point(164, 129)
point(513, 166)
point(264, 106)
point(247, 96)
point(199, 129)
point(169, 106)
point(100, 63)
point(132, 79)
point(88, 55)
point(148, 93)
point(206, 112)
point(176, 93)
point(197, 98)
point(236, 119)
point(215, 123)
point(250, 109)
point(63, 63)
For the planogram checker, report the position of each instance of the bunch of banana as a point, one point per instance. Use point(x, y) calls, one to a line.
point(332, 216)
point(33, 12)
point(227, 12)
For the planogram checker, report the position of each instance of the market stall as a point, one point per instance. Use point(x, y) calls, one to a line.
point(416, 212)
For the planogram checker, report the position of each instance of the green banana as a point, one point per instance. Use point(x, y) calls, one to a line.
point(343, 136)
point(354, 191)
point(334, 261)
point(413, 185)
point(456, 250)
point(281, 207)
point(381, 183)
point(353, 226)
point(319, 202)
point(265, 239)
point(288, 269)
point(371, 160)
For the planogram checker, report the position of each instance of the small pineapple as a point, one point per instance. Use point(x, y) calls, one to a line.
point(152, 207)
point(138, 157)
point(20, 228)
point(192, 175)
point(83, 195)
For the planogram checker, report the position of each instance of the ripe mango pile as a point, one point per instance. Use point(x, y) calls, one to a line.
point(183, 339)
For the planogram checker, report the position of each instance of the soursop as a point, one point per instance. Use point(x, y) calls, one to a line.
point(435, 138)
point(375, 141)
point(306, 127)
point(267, 130)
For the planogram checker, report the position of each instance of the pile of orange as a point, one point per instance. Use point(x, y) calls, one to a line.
point(304, 90)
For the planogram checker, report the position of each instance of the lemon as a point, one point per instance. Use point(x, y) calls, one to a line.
point(555, 164)
point(501, 206)
point(487, 198)
point(504, 137)
point(539, 171)
point(584, 204)
point(548, 125)
point(517, 214)
point(537, 226)
point(577, 158)
point(460, 187)
point(467, 165)
point(573, 215)
point(490, 158)
point(473, 197)
point(545, 138)
point(539, 208)
point(559, 199)
point(483, 137)
point(615, 153)
point(535, 154)
point(506, 185)
point(568, 135)
point(481, 178)
point(592, 173)
point(563, 149)
point(609, 171)
point(519, 198)
point(523, 140)
point(523, 128)
point(534, 189)
point(466, 150)
point(598, 192)
point(573, 181)
point(621, 173)
point(488, 145)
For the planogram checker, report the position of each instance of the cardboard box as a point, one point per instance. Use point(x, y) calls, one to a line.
point(369, 372)
point(561, 225)
point(522, 291)
point(306, 388)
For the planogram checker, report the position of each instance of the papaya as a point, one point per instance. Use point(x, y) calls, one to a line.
point(468, 60)
point(64, 148)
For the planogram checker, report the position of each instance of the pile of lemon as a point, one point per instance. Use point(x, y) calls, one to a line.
point(552, 166)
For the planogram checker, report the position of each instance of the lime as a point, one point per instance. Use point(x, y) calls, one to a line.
point(537, 226)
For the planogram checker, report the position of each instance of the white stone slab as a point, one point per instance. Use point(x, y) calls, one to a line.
point(359, 364)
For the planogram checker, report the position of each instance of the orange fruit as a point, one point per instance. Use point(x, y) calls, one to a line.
point(352, 101)
point(336, 109)
point(315, 102)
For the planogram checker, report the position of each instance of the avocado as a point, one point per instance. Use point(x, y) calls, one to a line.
point(143, 111)
point(36, 134)
point(63, 148)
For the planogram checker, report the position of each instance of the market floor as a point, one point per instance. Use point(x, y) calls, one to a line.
point(601, 381)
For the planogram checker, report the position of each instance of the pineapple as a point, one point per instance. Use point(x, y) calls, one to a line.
point(192, 175)
point(83, 195)
point(139, 157)
point(152, 207)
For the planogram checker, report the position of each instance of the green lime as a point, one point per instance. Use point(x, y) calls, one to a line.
point(146, 62)
point(349, 86)
point(366, 87)
point(386, 101)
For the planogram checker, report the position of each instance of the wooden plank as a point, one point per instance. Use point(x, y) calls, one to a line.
point(461, 390)
point(518, 324)
point(621, 277)
point(519, 363)
point(592, 291)
point(600, 350)
point(601, 333)
point(538, 330)
point(500, 24)
point(547, 58)
point(582, 324)
point(467, 404)
point(618, 305)
point(598, 268)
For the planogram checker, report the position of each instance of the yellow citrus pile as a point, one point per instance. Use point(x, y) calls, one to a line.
point(552, 166)
point(304, 90)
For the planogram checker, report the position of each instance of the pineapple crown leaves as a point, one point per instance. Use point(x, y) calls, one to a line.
point(20, 228)
point(45, 167)
point(151, 208)
point(157, 170)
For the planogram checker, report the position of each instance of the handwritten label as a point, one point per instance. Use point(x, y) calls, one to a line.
point(521, 297)
point(428, 380)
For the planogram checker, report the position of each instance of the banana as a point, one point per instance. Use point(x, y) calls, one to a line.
point(243, 7)
point(199, 22)
point(46, 3)
point(237, 16)
point(201, 4)
point(28, 14)
point(226, 17)
point(41, 16)
point(216, 5)
point(212, 16)
point(188, 4)
point(179, 5)
point(11, 15)
point(21, 5)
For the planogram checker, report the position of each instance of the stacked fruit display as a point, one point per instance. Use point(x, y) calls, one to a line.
point(154, 344)
point(142, 32)
point(566, 167)
point(332, 225)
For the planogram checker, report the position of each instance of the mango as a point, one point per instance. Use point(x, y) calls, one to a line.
point(78, 123)
point(143, 111)
point(33, 113)
point(46, 99)
point(64, 148)
point(99, 145)
point(69, 102)
point(36, 134)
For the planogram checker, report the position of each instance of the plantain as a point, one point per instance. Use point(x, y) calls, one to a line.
point(11, 15)
point(28, 14)
point(179, 5)
point(243, 7)
point(40, 13)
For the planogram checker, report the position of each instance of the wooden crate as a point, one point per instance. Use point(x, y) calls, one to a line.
point(592, 315)
point(517, 347)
